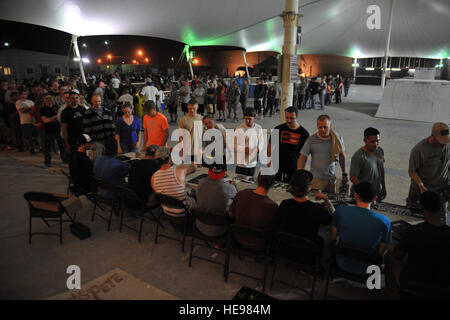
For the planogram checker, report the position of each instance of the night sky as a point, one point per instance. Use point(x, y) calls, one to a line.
point(122, 48)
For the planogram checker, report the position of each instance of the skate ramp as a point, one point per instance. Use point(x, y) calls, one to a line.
point(417, 100)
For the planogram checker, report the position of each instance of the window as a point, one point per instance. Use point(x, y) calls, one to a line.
point(7, 71)
point(29, 70)
point(58, 70)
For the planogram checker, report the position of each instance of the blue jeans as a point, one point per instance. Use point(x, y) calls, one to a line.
point(313, 100)
point(346, 90)
point(322, 100)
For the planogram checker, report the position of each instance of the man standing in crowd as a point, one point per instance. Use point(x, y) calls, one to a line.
point(292, 137)
point(149, 92)
point(233, 94)
point(185, 96)
point(301, 93)
point(23, 106)
point(248, 142)
point(52, 130)
point(361, 228)
point(254, 209)
point(429, 165)
point(368, 163)
point(188, 123)
point(211, 100)
point(156, 126)
point(98, 124)
point(244, 95)
point(258, 95)
point(313, 89)
point(72, 121)
point(326, 148)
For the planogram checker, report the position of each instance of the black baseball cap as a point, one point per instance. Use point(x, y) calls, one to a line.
point(301, 179)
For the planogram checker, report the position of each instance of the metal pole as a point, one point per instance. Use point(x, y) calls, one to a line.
point(388, 40)
point(77, 54)
point(189, 59)
point(354, 68)
point(246, 65)
point(290, 17)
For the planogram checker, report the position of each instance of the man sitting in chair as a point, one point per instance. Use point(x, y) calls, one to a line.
point(110, 169)
point(170, 180)
point(360, 228)
point(427, 246)
point(254, 209)
point(81, 167)
point(213, 196)
point(140, 175)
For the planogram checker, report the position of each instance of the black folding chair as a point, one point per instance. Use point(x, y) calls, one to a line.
point(103, 203)
point(362, 256)
point(180, 223)
point(134, 205)
point(211, 220)
point(234, 247)
point(301, 246)
point(47, 207)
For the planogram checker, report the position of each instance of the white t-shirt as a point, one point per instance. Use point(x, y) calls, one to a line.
point(20, 105)
point(149, 92)
point(254, 139)
point(115, 83)
point(161, 95)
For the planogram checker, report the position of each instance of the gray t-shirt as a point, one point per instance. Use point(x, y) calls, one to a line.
point(431, 164)
point(213, 196)
point(320, 151)
point(367, 167)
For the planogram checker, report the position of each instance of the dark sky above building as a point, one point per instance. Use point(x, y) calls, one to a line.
point(121, 48)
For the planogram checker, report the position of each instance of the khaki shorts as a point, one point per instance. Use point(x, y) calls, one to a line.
point(324, 185)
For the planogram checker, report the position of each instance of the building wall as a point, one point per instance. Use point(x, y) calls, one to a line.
point(314, 65)
point(31, 64)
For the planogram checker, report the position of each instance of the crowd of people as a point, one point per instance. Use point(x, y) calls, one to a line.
point(308, 90)
point(89, 136)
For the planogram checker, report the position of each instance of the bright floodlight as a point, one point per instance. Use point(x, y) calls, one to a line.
point(109, 56)
point(84, 45)
point(146, 59)
point(139, 52)
point(85, 60)
point(106, 42)
point(99, 60)
point(6, 44)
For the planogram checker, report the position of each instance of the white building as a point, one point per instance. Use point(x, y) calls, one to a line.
point(21, 64)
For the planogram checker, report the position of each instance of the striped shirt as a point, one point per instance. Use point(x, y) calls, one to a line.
point(165, 182)
point(98, 127)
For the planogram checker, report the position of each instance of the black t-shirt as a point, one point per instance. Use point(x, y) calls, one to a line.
point(80, 170)
point(140, 175)
point(314, 87)
point(302, 219)
point(428, 249)
point(53, 126)
point(74, 119)
point(291, 143)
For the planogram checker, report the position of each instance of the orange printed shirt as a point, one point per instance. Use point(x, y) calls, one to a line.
point(155, 128)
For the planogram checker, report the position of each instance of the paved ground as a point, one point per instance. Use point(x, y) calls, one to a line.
point(39, 271)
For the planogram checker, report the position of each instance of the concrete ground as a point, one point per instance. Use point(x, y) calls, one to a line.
point(38, 271)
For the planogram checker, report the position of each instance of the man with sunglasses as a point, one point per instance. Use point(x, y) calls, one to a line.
point(292, 137)
point(368, 164)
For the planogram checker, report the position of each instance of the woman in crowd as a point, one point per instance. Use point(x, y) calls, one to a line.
point(128, 131)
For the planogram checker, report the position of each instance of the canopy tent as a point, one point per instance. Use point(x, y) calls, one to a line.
point(334, 27)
